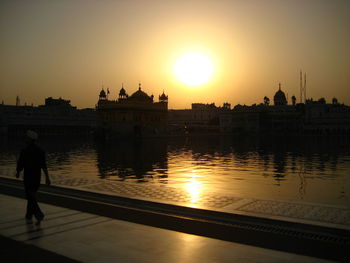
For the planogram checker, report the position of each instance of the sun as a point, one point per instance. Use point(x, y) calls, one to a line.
point(193, 69)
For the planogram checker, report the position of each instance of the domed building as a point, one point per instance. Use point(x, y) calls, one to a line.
point(135, 114)
point(280, 97)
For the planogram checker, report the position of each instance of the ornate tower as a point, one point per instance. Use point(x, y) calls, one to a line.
point(122, 93)
point(163, 98)
point(103, 95)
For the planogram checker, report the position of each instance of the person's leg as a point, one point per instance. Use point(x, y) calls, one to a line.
point(30, 210)
point(39, 215)
point(33, 207)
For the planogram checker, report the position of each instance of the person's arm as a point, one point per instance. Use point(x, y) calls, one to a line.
point(20, 164)
point(46, 172)
point(47, 178)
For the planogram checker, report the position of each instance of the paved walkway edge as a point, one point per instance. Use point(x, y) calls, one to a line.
point(316, 241)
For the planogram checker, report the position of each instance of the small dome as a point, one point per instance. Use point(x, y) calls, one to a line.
point(122, 92)
point(163, 97)
point(280, 97)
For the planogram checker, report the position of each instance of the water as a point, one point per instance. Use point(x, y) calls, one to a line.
point(312, 169)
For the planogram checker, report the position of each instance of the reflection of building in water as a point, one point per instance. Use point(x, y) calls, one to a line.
point(143, 160)
point(279, 165)
point(311, 117)
point(200, 118)
point(57, 116)
point(136, 114)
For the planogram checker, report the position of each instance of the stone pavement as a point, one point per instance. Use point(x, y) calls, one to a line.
point(88, 238)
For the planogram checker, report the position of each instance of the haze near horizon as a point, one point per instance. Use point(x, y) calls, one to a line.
point(70, 49)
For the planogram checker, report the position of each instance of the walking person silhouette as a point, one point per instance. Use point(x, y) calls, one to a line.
point(32, 160)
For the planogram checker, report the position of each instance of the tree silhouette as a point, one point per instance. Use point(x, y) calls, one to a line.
point(266, 101)
point(294, 99)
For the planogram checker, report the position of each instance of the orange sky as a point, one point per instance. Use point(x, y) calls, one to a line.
point(69, 49)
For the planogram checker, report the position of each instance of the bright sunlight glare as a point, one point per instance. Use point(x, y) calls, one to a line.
point(193, 69)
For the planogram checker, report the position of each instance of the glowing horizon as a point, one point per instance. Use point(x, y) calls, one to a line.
point(69, 49)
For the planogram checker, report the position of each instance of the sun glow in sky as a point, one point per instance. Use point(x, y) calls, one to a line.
point(70, 48)
point(194, 69)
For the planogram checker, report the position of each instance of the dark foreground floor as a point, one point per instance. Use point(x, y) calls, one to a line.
point(12, 251)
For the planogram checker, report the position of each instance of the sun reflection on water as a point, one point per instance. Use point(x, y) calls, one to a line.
point(193, 187)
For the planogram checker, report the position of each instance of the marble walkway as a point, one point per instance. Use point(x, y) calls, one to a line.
point(90, 238)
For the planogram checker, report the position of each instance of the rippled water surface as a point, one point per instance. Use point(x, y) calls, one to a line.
point(309, 169)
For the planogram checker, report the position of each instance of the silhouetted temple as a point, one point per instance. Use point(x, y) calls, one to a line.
point(136, 114)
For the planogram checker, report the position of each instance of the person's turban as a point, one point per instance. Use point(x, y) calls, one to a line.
point(32, 135)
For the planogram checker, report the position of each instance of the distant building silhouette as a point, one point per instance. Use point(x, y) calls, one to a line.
point(56, 116)
point(57, 102)
point(311, 117)
point(201, 118)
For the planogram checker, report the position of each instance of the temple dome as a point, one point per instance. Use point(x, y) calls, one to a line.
point(140, 96)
